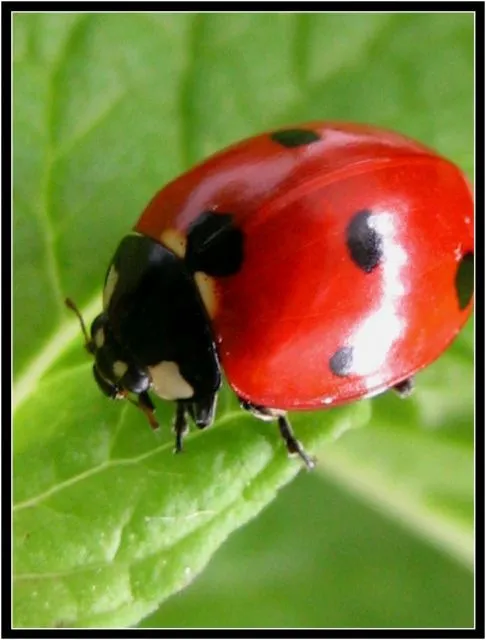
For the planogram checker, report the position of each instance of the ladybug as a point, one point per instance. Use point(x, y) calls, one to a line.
point(314, 265)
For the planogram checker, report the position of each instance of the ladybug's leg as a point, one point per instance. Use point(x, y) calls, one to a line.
point(293, 445)
point(180, 427)
point(404, 388)
point(203, 410)
point(291, 442)
point(202, 413)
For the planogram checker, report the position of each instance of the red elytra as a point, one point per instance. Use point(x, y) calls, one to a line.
point(355, 244)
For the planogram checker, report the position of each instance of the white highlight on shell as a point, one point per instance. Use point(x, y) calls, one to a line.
point(375, 336)
point(458, 252)
point(111, 281)
point(168, 383)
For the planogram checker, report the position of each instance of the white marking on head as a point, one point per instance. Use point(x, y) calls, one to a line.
point(99, 338)
point(168, 383)
point(111, 280)
point(119, 369)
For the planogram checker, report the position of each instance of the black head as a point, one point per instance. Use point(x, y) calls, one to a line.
point(153, 332)
point(114, 370)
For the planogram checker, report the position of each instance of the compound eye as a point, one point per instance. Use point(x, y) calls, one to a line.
point(108, 388)
point(134, 379)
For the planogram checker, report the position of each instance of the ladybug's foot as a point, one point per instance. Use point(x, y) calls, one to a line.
point(180, 427)
point(202, 411)
point(293, 445)
point(404, 388)
point(291, 442)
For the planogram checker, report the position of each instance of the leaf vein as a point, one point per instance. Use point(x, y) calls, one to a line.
point(114, 462)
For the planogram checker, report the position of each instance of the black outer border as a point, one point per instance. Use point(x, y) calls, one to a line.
point(7, 8)
point(476, 7)
point(480, 323)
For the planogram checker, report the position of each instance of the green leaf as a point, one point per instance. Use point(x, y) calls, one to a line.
point(109, 107)
point(415, 462)
point(320, 558)
point(108, 522)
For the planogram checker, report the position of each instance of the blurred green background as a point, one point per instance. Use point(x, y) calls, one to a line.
point(107, 108)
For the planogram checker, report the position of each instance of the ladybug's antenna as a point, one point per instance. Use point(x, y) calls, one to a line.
point(88, 342)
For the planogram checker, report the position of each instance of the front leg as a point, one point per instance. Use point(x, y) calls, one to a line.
point(203, 410)
point(202, 413)
point(180, 426)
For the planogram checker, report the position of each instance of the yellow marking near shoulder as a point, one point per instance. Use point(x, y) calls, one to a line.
point(168, 383)
point(175, 241)
point(207, 290)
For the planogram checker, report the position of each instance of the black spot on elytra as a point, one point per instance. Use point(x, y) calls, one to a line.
point(465, 280)
point(214, 244)
point(341, 362)
point(295, 137)
point(365, 244)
